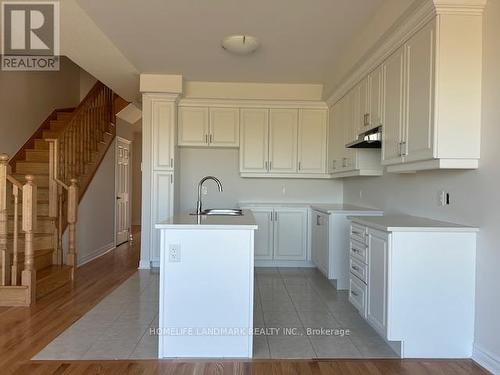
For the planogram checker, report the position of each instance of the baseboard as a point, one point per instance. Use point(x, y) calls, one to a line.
point(145, 264)
point(486, 359)
point(95, 254)
point(155, 264)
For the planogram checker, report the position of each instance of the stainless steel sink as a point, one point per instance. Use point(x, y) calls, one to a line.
point(222, 212)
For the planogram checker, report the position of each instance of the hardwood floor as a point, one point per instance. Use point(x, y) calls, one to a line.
point(25, 331)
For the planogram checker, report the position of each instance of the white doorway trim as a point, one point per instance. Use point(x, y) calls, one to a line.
point(123, 190)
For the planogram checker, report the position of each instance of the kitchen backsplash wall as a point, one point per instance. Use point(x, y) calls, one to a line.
point(224, 164)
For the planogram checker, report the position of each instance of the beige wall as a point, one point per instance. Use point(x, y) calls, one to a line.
point(27, 98)
point(475, 197)
point(87, 81)
point(196, 163)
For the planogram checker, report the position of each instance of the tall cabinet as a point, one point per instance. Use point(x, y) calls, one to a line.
point(159, 170)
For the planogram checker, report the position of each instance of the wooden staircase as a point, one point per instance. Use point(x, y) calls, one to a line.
point(40, 188)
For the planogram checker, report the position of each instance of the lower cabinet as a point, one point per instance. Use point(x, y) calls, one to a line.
point(319, 241)
point(282, 233)
point(416, 287)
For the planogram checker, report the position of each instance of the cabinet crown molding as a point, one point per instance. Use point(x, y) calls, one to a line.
point(252, 103)
point(401, 31)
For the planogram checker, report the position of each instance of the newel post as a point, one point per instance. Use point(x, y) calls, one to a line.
point(4, 254)
point(28, 276)
point(72, 219)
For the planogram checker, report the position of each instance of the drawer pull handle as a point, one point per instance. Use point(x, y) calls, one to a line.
point(357, 233)
point(355, 251)
point(355, 268)
point(354, 293)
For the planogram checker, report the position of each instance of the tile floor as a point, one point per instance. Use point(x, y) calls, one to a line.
point(291, 306)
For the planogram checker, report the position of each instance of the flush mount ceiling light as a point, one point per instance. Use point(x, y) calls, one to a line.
point(240, 44)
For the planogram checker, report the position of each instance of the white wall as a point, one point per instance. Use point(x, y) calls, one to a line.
point(87, 81)
point(136, 179)
point(196, 163)
point(28, 98)
point(95, 229)
point(475, 197)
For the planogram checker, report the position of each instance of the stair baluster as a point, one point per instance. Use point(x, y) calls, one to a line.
point(28, 276)
point(4, 253)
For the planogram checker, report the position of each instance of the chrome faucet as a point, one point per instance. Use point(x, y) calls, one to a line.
point(200, 186)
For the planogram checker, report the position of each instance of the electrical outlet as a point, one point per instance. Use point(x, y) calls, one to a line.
point(204, 190)
point(174, 253)
point(360, 194)
point(283, 190)
point(444, 198)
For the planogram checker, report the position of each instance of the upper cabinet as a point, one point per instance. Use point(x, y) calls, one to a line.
point(283, 142)
point(423, 87)
point(283, 137)
point(312, 140)
point(209, 127)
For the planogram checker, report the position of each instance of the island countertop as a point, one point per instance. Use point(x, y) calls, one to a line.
point(193, 222)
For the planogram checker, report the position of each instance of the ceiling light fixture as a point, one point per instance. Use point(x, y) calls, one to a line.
point(240, 44)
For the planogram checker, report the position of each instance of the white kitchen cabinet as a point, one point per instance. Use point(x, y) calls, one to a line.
point(254, 142)
point(419, 50)
point(209, 126)
point(320, 254)
point(362, 107)
point(393, 129)
point(375, 114)
point(283, 138)
point(264, 234)
point(420, 283)
point(163, 135)
point(442, 98)
point(376, 307)
point(163, 196)
point(283, 234)
point(193, 126)
point(312, 141)
point(224, 127)
point(334, 138)
point(290, 233)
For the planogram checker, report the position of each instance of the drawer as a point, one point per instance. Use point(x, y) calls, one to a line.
point(358, 269)
point(357, 294)
point(358, 232)
point(359, 251)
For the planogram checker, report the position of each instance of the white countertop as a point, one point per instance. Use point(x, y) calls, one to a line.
point(327, 208)
point(406, 223)
point(193, 222)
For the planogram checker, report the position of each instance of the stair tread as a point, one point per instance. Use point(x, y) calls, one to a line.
point(47, 272)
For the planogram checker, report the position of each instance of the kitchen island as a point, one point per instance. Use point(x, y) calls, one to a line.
point(206, 286)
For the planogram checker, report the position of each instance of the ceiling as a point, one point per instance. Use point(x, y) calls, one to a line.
point(301, 40)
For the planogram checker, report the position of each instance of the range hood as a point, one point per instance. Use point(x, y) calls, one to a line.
point(370, 139)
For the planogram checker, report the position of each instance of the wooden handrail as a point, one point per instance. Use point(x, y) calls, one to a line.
point(4, 253)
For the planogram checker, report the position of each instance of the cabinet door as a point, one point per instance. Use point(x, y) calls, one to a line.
point(163, 134)
point(376, 85)
point(163, 207)
point(312, 140)
point(332, 138)
point(420, 83)
point(394, 108)
point(224, 127)
point(254, 137)
point(263, 235)
point(319, 241)
point(350, 107)
point(361, 120)
point(378, 252)
point(290, 234)
point(193, 126)
point(283, 129)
